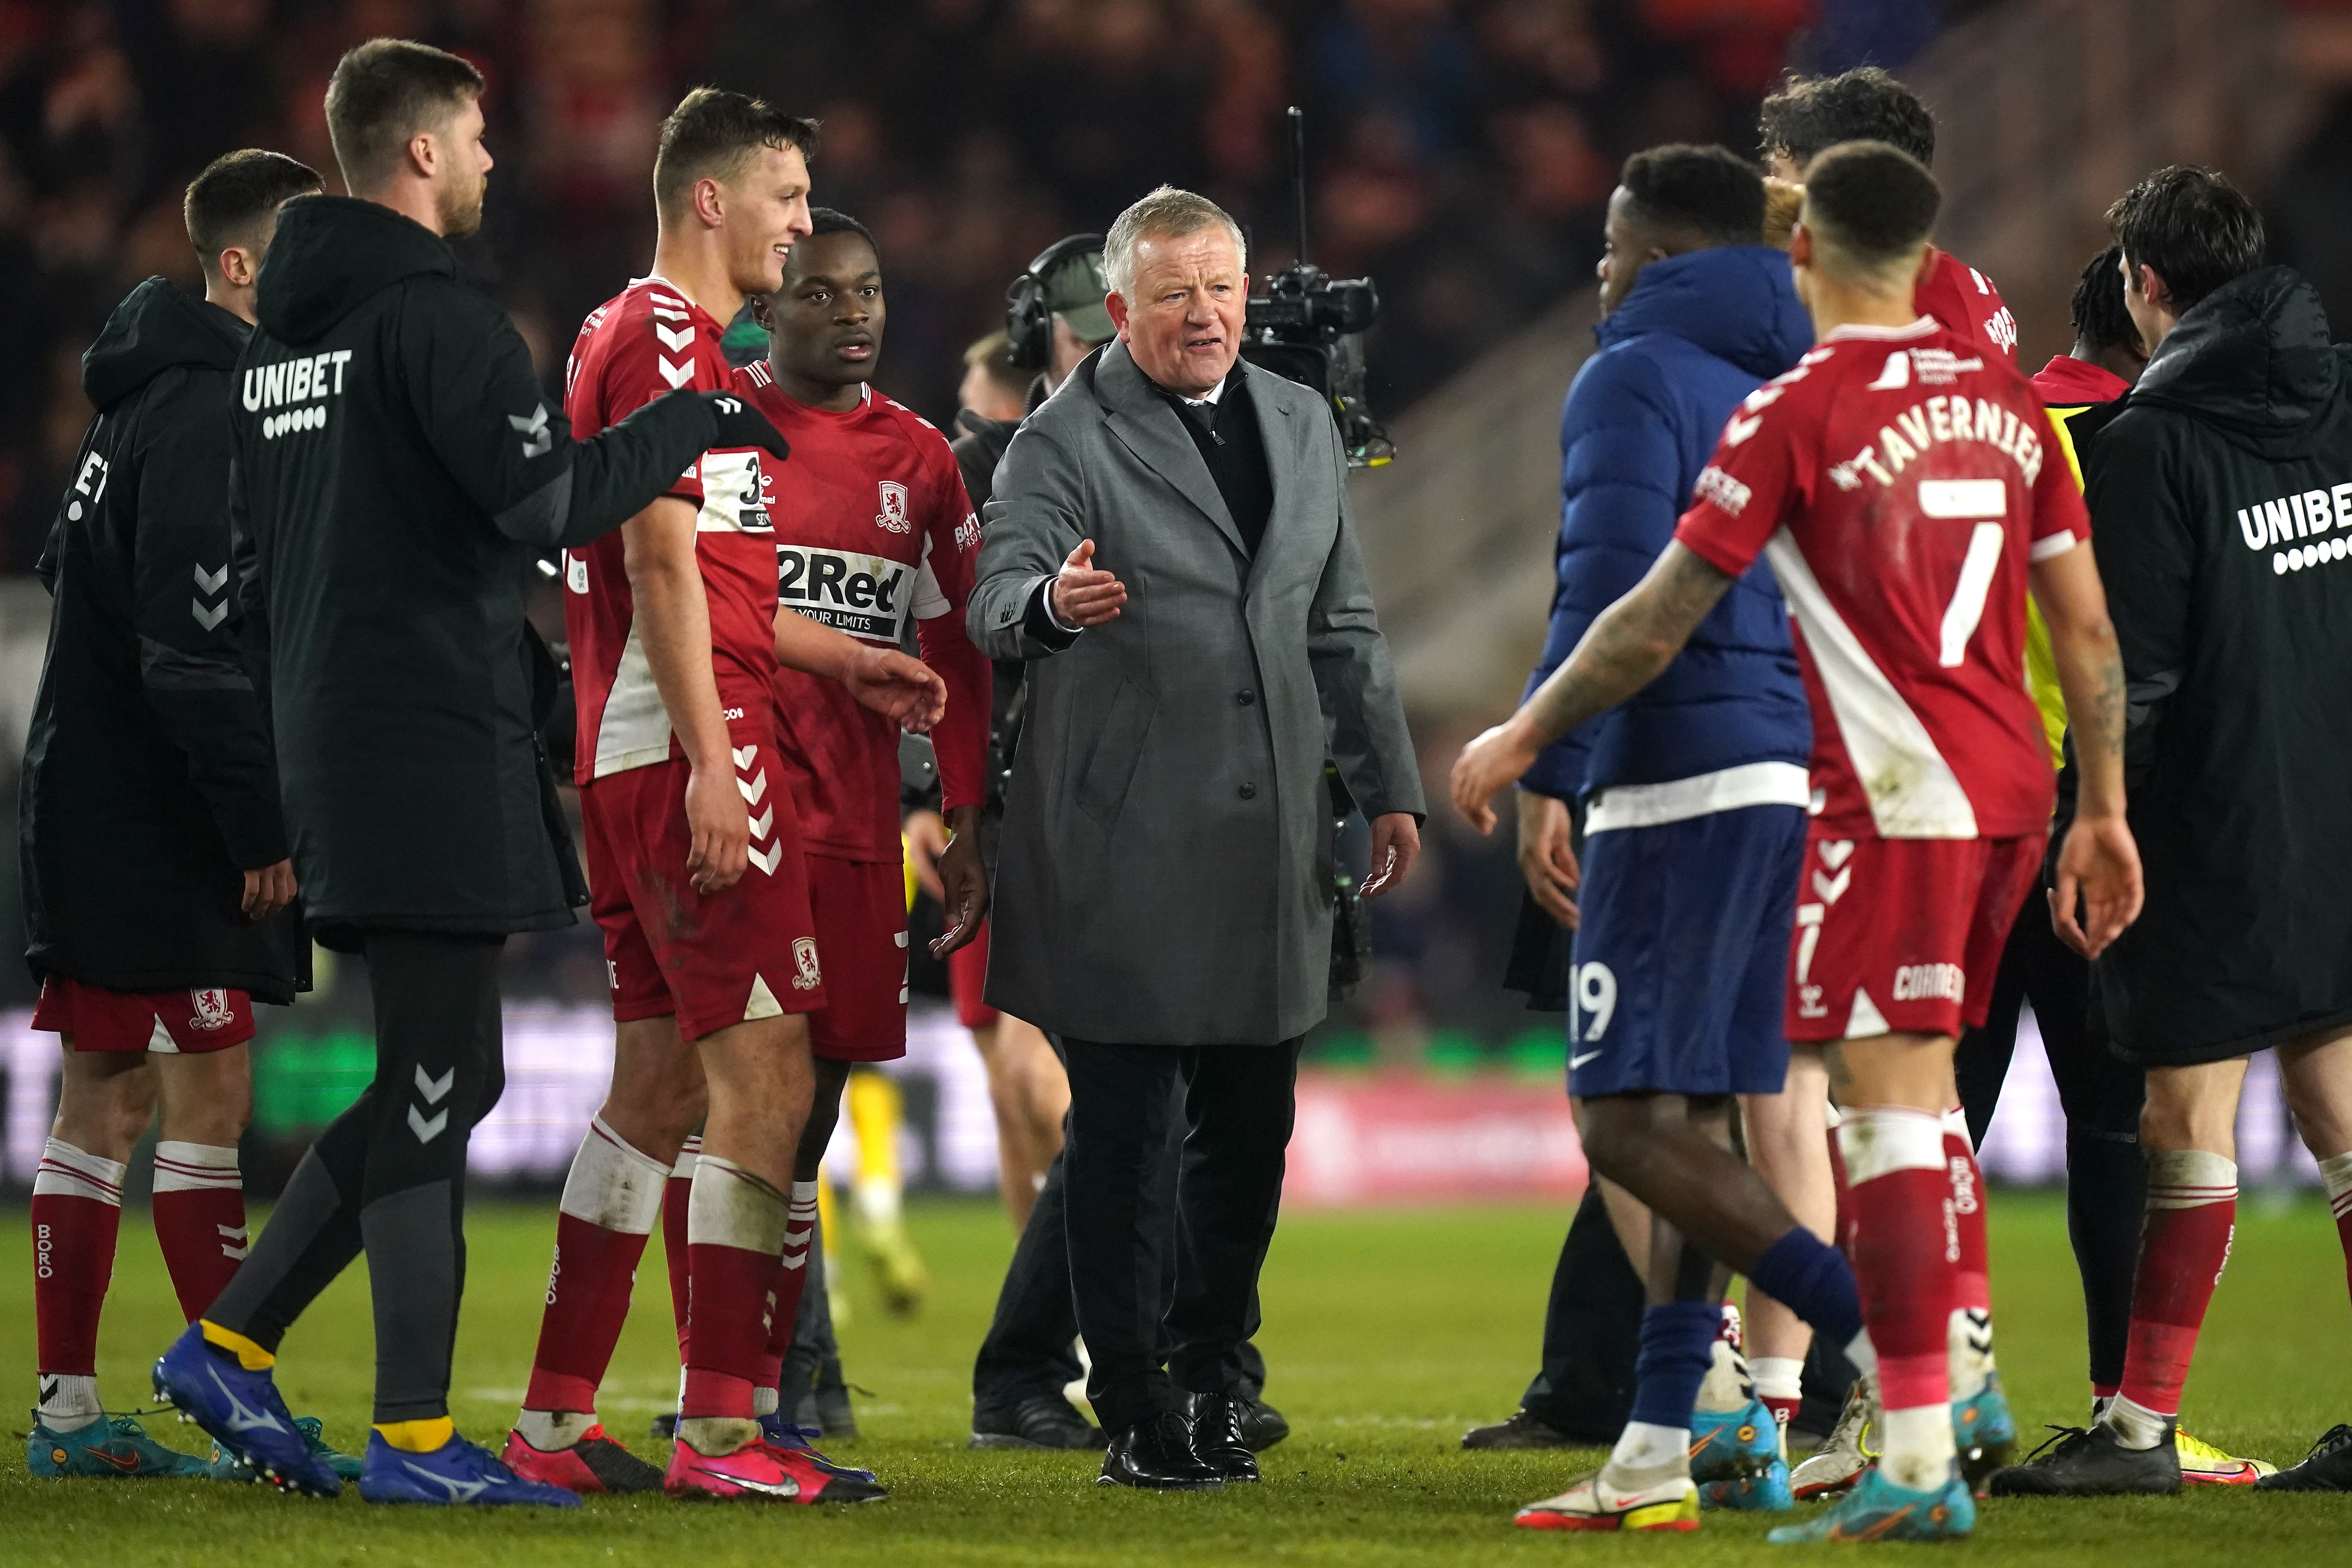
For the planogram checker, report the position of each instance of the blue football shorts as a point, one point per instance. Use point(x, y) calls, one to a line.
point(1682, 958)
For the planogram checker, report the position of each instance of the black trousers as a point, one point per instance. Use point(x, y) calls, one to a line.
point(2107, 1180)
point(1150, 1335)
point(388, 1175)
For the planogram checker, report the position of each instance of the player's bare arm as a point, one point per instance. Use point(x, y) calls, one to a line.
point(2099, 888)
point(905, 691)
point(674, 624)
point(1620, 653)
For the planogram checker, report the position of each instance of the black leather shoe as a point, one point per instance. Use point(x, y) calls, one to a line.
point(1521, 1431)
point(1157, 1455)
point(2093, 1463)
point(1041, 1421)
point(1217, 1438)
point(1262, 1424)
point(2327, 1469)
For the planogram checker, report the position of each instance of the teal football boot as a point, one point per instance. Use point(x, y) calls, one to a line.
point(1767, 1491)
point(1726, 1445)
point(115, 1447)
point(1878, 1509)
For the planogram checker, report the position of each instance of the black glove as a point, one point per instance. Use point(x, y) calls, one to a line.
point(741, 424)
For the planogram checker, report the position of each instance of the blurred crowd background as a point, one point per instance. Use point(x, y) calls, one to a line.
point(1460, 153)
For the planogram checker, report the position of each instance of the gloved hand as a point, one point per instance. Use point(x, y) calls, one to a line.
point(741, 424)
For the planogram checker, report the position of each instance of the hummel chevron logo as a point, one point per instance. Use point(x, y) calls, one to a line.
point(761, 824)
point(426, 1130)
point(1738, 430)
point(242, 1416)
point(208, 616)
point(727, 404)
point(673, 341)
point(210, 581)
point(433, 1089)
point(757, 787)
point(459, 1491)
point(667, 314)
point(1831, 890)
point(789, 1263)
point(538, 439)
point(768, 861)
point(744, 755)
point(675, 375)
point(1836, 852)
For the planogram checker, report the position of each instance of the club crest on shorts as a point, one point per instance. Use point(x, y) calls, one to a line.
point(805, 955)
point(213, 1010)
point(894, 509)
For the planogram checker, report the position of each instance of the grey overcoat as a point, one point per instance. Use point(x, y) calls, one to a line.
point(1165, 876)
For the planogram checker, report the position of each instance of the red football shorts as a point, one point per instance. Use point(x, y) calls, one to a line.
point(1903, 933)
point(748, 951)
point(184, 1022)
point(861, 922)
point(968, 981)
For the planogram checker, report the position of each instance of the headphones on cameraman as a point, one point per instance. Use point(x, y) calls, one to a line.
point(1028, 319)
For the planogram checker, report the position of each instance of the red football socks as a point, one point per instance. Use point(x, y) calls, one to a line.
point(199, 1214)
point(2336, 1173)
point(1970, 1331)
point(610, 1201)
point(2192, 1211)
point(676, 1193)
point(77, 1210)
point(792, 1281)
point(1905, 1253)
point(735, 1235)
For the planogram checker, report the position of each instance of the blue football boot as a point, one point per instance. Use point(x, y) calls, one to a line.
point(1878, 1509)
point(227, 1467)
point(781, 1431)
point(113, 1446)
point(1767, 1491)
point(456, 1473)
point(1985, 1432)
point(1726, 1445)
point(242, 1412)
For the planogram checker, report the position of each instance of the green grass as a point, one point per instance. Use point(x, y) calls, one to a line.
point(1387, 1333)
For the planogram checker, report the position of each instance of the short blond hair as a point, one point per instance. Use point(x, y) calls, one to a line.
point(1166, 214)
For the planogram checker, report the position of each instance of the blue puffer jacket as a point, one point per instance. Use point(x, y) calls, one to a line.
point(1699, 332)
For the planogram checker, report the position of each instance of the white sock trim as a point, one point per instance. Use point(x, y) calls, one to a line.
point(552, 1431)
point(1880, 1140)
point(613, 1185)
point(687, 1154)
point(197, 1167)
point(1956, 1125)
point(2335, 1175)
point(730, 1207)
point(2134, 1425)
point(1778, 1376)
point(1919, 1449)
point(68, 1401)
point(69, 1172)
point(2190, 1178)
point(1642, 1446)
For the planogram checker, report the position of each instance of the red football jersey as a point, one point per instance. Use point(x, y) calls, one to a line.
point(1964, 301)
point(1899, 480)
point(873, 530)
point(631, 349)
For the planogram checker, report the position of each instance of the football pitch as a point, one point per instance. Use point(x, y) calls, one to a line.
point(1387, 1333)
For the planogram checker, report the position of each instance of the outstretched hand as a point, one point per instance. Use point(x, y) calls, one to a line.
point(1082, 595)
point(907, 692)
